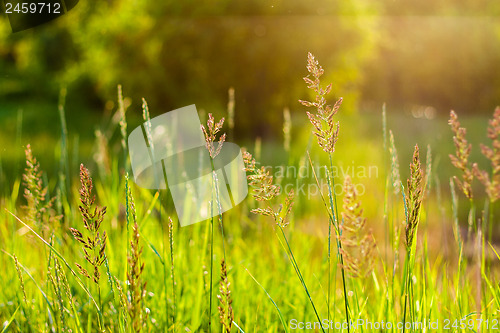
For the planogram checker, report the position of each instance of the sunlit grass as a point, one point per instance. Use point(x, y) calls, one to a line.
point(277, 271)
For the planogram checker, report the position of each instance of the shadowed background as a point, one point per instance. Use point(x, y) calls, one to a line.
point(421, 59)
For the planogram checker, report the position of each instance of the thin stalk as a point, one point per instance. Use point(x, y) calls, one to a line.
point(329, 271)
point(406, 285)
point(282, 319)
point(407, 262)
point(333, 203)
point(299, 274)
point(330, 223)
point(165, 282)
point(96, 254)
point(63, 163)
point(78, 279)
point(219, 213)
point(171, 241)
point(211, 257)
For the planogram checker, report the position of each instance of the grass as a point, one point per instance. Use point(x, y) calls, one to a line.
point(278, 267)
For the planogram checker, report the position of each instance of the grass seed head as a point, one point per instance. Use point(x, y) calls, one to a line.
point(414, 198)
point(395, 177)
point(39, 209)
point(260, 180)
point(492, 185)
point(123, 120)
point(94, 244)
point(326, 129)
point(461, 158)
point(358, 245)
point(21, 280)
point(137, 287)
point(226, 314)
point(211, 135)
point(264, 190)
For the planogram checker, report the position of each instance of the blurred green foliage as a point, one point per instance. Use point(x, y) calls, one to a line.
point(177, 53)
point(443, 53)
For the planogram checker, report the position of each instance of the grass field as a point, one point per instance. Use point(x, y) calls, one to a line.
point(355, 242)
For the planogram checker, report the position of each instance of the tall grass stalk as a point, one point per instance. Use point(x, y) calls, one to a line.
point(333, 205)
point(326, 131)
point(123, 126)
point(172, 267)
point(64, 179)
point(210, 132)
point(225, 308)
point(94, 245)
point(413, 203)
point(265, 191)
point(79, 280)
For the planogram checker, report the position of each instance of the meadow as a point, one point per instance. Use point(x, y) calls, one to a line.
point(350, 218)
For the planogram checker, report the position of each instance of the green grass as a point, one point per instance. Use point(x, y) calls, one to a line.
point(451, 278)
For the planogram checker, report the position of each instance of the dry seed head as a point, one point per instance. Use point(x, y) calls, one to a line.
point(123, 120)
point(171, 238)
point(137, 287)
point(211, 135)
point(284, 212)
point(39, 207)
point(260, 180)
point(64, 281)
point(326, 129)
point(461, 158)
point(172, 267)
point(492, 153)
point(93, 245)
point(123, 300)
point(226, 314)
point(56, 287)
point(358, 244)
point(21, 280)
point(34, 191)
point(265, 190)
point(414, 198)
point(396, 179)
point(147, 119)
point(82, 270)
